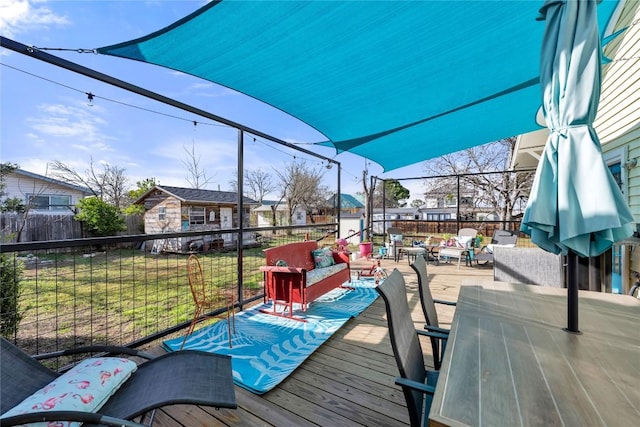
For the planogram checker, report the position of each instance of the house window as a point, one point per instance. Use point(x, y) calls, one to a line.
point(299, 216)
point(466, 201)
point(449, 200)
point(162, 213)
point(438, 216)
point(196, 215)
point(614, 160)
point(43, 202)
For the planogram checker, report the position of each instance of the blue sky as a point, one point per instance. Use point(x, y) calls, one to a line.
point(45, 114)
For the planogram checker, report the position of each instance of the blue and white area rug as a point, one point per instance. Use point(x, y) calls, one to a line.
point(267, 348)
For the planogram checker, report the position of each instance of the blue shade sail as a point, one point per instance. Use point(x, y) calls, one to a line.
point(396, 82)
point(575, 203)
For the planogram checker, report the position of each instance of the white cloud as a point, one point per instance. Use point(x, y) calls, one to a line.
point(70, 123)
point(20, 16)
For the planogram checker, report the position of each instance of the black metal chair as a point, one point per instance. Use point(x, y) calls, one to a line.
point(418, 384)
point(185, 377)
point(440, 335)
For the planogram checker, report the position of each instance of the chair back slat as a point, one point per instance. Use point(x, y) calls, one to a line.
point(428, 305)
point(196, 280)
point(20, 375)
point(504, 237)
point(426, 299)
point(404, 340)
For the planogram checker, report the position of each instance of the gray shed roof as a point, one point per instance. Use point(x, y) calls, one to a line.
point(195, 195)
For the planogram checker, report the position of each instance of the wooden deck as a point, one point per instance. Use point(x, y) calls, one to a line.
point(349, 380)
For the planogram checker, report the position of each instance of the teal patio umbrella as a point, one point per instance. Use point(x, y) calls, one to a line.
point(575, 207)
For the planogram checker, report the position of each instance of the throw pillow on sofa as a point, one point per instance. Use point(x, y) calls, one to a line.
point(323, 257)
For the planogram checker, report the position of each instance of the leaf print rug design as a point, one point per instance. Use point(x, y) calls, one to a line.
point(267, 348)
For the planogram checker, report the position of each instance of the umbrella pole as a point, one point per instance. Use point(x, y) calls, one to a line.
point(572, 293)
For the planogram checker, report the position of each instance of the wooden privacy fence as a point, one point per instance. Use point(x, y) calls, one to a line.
point(37, 227)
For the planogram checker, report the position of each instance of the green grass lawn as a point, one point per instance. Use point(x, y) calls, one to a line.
point(124, 294)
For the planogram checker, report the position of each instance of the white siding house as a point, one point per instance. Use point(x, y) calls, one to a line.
point(618, 119)
point(617, 125)
point(264, 215)
point(42, 194)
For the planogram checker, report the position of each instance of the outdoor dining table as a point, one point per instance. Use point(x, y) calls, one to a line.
point(508, 360)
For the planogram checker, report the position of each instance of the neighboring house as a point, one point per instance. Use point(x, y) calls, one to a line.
point(43, 195)
point(175, 209)
point(264, 214)
point(348, 204)
point(442, 204)
point(391, 214)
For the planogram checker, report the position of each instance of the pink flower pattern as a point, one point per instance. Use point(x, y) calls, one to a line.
point(92, 387)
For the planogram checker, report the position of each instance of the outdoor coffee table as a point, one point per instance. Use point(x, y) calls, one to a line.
point(411, 251)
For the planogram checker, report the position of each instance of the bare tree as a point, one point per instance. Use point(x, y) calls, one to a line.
point(257, 184)
point(299, 185)
point(501, 191)
point(109, 184)
point(197, 176)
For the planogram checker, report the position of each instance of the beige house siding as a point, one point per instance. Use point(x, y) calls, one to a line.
point(153, 220)
point(168, 213)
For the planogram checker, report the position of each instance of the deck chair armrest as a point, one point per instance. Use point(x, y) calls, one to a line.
point(415, 385)
point(83, 417)
point(432, 334)
point(108, 349)
point(440, 301)
point(437, 329)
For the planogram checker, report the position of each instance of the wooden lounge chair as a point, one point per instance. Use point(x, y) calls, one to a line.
point(185, 377)
point(418, 384)
point(440, 335)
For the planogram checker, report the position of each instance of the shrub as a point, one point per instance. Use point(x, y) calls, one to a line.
point(100, 218)
point(10, 276)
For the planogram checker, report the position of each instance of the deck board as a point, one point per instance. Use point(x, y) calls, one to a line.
point(349, 380)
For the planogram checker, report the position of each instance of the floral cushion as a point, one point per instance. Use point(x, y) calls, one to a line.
point(281, 263)
point(323, 257)
point(464, 241)
point(85, 387)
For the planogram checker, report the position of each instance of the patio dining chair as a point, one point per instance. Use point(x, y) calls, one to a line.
point(203, 302)
point(31, 392)
point(418, 384)
point(439, 339)
point(463, 248)
point(395, 239)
